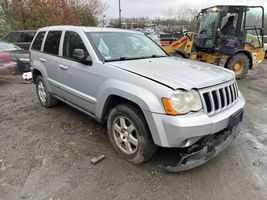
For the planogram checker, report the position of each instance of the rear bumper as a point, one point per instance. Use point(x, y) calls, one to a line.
point(24, 66)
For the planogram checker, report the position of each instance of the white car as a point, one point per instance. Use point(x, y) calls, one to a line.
point(145, 97)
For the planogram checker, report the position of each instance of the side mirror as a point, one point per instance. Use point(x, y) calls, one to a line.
point(81, 57)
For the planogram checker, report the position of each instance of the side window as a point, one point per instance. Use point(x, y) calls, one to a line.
point(26, 37)
point(12, 37)
point(72, 41)
point(52, 42)
point(229, 24)
point(38, 41)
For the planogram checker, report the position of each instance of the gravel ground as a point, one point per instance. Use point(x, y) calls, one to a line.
point(45, 155)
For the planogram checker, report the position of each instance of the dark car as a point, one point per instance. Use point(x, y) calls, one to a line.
point(21, 38)
point(18, 55)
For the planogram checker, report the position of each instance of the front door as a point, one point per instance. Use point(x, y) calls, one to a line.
point(77, 79)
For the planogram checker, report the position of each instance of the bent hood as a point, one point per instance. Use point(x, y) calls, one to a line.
point(177, 72)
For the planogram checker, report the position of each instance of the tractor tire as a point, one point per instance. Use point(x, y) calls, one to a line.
point(239, 64)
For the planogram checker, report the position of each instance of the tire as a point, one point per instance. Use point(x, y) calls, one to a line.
point(239, 64)
point(134, 142)
point(44, 96)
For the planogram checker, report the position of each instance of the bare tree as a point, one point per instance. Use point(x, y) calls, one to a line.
point(96, 7)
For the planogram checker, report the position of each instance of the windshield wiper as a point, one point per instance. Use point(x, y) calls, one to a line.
point(157, 56)
point(135, 58)
point(121, 59)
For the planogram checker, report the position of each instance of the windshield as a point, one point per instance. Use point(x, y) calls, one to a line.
point(8, 47)
point(114, 46)
point(208, 22)
point(253, 26)
point(254, 17)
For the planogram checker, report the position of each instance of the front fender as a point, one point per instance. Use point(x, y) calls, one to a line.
point(144, 98)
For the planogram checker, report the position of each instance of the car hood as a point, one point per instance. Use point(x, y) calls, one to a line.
point(177, 72)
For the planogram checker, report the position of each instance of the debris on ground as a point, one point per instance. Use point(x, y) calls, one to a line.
point(97, 159)
point(27, 76)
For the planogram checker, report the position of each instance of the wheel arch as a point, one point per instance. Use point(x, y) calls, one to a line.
point(35, 74)
point(112, 101)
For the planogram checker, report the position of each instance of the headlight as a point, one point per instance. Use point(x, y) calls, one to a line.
point(182, 102)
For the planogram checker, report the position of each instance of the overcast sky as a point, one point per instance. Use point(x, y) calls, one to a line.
point(158, 8)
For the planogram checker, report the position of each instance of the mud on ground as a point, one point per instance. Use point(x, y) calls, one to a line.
point(45, 154)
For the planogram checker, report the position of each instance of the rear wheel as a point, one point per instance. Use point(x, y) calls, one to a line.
point(44, 96)
point(239, 64)
point(129, 134)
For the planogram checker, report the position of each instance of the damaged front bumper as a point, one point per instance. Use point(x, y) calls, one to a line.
point(209, 146)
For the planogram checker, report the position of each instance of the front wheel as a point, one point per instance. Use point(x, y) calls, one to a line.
point(129, 134)
point(239, 64)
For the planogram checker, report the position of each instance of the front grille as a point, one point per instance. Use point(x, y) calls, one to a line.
point(219, 98)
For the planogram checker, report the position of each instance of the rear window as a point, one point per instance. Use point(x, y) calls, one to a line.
point(38, 41)
point(52, 42)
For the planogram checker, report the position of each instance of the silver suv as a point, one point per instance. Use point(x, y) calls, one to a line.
point(147, 98)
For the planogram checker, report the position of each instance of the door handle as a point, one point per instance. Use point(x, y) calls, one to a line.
point(63, 67)
point(42, 59)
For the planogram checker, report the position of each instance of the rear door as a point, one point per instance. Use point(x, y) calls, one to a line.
point(77, 79)
point(49, 58)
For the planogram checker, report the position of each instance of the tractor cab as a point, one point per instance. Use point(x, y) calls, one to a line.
point(222, 27)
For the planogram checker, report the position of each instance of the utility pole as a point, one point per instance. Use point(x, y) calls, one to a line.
point(104, 16)
point(120, 13)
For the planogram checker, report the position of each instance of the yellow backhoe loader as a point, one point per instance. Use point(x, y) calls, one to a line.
point(227, 36)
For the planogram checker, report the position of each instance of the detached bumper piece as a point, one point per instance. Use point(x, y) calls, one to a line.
point(208, 147)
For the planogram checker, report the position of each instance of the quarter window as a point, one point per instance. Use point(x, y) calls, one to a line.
point(38, 41)
point(52, 42)
point(72, 41)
